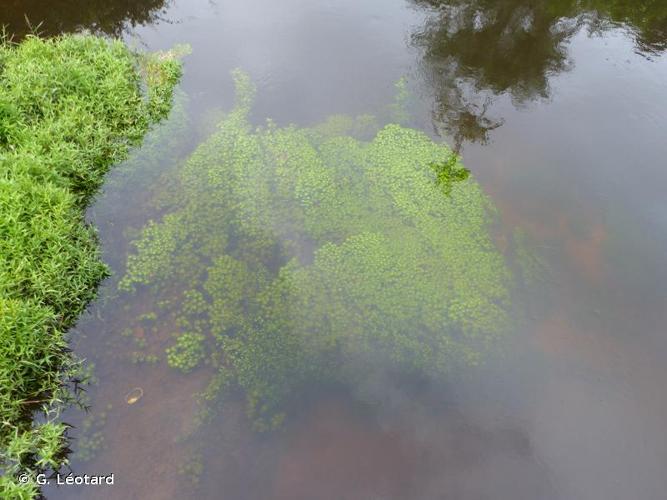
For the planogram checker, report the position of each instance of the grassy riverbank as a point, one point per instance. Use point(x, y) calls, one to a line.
point(70, 108)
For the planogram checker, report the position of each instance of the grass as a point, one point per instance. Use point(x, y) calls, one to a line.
point(70, 108)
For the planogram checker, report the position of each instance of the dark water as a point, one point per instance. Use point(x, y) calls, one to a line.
point(559, 109)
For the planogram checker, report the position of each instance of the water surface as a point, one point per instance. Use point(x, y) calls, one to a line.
point(559, 110)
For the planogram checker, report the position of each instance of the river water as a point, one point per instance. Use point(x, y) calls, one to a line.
point(559, 110)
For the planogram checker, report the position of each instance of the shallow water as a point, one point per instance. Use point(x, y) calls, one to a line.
point(559, 115)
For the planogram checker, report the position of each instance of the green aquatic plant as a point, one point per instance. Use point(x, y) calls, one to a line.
point(399, 108)
point(292, 255)
point(448, 172)
point(192, 468)
point(70, 107)
point(141, 357)
point(91, 435)
point(187, 352)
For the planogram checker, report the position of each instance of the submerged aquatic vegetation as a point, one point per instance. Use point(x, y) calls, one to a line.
point(448, 172)
point(70, 107)
point(187, 352)
point(298, 254)
point(91, 435)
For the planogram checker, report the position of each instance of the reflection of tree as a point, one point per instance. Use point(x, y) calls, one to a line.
point(646, 18)
point(111, 16)
point(475, 50)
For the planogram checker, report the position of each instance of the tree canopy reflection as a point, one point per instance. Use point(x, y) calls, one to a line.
point(475, 50)
point(21, 17)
